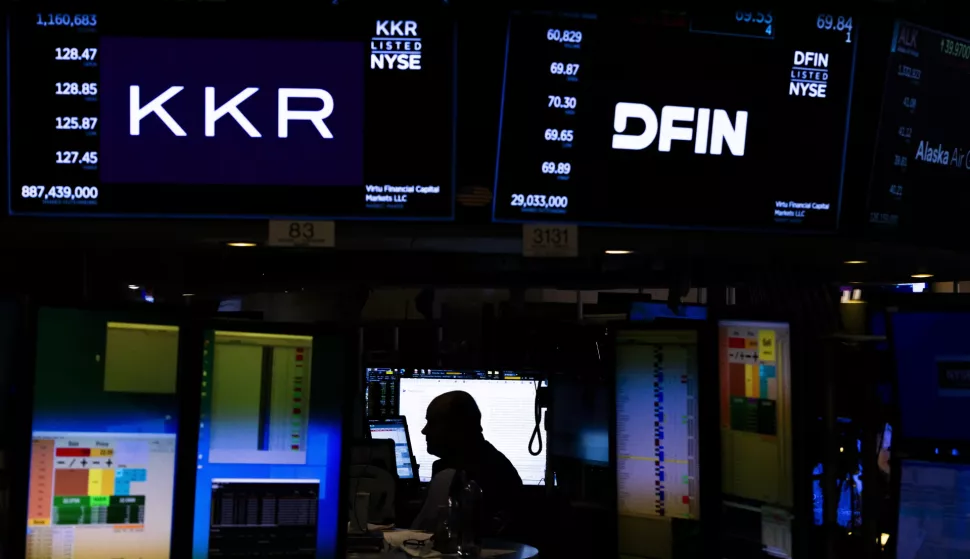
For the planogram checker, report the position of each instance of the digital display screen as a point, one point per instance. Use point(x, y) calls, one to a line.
point(505, 398)
point(102, 460)
point(934, 510)
point(754, 363)
point(128, 113)
point(676, 121)
point(268, 480)
point(657, 442)
point(396, 429)
point(921, 166)
point(933, 373)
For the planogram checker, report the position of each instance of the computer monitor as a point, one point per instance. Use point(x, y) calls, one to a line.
point(505, 398)
point(754, 362)
point(105, 418)
point(270, 443)
point(396, 429)
point(657, 437)
point(934, 510)
point(933, 373)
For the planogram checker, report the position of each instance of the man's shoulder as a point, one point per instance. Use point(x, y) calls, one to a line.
point(501, 462)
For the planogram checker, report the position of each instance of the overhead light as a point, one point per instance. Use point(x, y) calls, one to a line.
point(241, 244)
point(921, 276)
point(855, 262)
point(619, 252)
point(188, 295)
point(133, 287)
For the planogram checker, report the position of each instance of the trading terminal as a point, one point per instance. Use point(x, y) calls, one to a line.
point(637, 331)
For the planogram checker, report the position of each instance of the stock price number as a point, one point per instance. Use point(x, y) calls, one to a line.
point(560, 102)
point(827, 22)
point(33, 191)
point(564, 36)
point(758, 18)
point(540, 201)
point(564, 68)
point(551, 168)
point(77, 157)
point(75, 122)
point(75, 88)
point(71, 53)
point(556, 135)
point(67, 20)
point(955, 48)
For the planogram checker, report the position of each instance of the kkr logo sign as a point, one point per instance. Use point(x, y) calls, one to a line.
point(137, 111)
point(708, 134)
point(232, 112)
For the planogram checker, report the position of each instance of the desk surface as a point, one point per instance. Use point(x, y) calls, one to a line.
point(521, 551)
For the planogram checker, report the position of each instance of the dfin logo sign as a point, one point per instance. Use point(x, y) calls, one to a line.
point(711, 130)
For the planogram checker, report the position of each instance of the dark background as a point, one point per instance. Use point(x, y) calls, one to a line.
point(935, 198)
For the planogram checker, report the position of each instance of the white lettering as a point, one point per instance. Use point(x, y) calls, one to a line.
point(929, 154)
point(703, 126)
point(231, 108)
point(136, 112)
point(626, 111)
point(669, 132)
point(721, 129)
point(399, 61)
point(814, 59)
point(285, 115)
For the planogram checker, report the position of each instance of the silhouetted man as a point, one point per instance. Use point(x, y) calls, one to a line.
point(454, 434)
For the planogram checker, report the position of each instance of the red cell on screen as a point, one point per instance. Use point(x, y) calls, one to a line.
point(72, 452)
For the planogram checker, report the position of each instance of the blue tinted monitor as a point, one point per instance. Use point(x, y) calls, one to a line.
point(396, 429)
point(932, 351)
point(105, 418)
point(270, 441)
point(934, 511)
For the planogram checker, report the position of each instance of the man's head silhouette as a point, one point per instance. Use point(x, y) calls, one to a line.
point(454, 423)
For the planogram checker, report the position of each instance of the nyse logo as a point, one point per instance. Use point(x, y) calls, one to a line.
point(809, 74)
point(708, 134)
point(395, 46)
point(211, 114)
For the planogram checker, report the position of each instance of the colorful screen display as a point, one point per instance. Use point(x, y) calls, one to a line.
point(921, 166)
point(210, 110)
point(657, 442)
point(676, 120)
point(754, 361)
point(102, 462)
point(270, 441)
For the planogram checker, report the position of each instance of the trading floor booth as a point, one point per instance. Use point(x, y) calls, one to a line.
point(99, 448)
point(154, 435)
point(273, 402)
point(665, 394)
point(756, 451)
